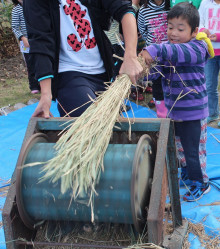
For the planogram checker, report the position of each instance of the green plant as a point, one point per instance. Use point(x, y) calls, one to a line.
point(5, 16)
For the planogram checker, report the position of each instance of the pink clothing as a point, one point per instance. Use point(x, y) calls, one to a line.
point(161, 109)
point(209, 12)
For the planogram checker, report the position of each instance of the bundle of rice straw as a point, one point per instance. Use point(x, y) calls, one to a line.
point(81, 148)
point(144, 246)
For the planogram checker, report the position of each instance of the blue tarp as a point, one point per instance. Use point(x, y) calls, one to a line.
point(12, 131)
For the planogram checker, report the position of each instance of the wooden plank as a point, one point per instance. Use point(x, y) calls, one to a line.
point(159, 188)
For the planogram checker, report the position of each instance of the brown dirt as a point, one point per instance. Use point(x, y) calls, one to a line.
point(12, 68)
point(8, 43)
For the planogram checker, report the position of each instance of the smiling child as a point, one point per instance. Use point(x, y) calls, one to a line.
point(181, 61)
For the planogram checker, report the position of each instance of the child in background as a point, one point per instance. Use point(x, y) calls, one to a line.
point(209, 23)
point(113, 35)
point(184, 57)
point(152, 25)
point(19, 28)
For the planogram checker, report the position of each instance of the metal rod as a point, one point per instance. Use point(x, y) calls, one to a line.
point(172, 170)
point(40, 243)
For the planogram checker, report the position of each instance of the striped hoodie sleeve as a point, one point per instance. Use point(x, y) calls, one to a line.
point(18, 24)
point(193, 52)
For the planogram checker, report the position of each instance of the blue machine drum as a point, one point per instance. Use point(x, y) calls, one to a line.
point(123, 189)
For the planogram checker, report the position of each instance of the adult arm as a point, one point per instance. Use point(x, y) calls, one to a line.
point(123, 12)
point(42, 50)
point(43, 107)
point(130, 65)
point(41, 37)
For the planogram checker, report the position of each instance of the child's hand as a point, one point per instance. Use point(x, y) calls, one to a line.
point(213, 37)
point(207, 32)
point(147, 57)
point(25, 41)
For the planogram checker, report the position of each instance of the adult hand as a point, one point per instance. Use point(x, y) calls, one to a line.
point(43, 107)
point(131, 67)
point(147, 57)
point(213, 37)
point(25, 41)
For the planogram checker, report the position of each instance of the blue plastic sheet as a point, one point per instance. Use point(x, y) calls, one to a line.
point(12, 131)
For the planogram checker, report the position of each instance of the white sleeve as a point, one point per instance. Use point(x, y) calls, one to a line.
point(202, 14)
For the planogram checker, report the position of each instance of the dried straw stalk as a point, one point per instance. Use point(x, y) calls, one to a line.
point(4, 187)
point(81, 148)
point(208, 242)
point(144, 245)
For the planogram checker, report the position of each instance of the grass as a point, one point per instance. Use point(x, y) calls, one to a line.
point(14, 91)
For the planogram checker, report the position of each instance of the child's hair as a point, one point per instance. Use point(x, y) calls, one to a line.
point(188, 12)
point(167, 4)
point(15, 2)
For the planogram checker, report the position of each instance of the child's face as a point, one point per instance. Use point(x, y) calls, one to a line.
point(158, 2)
point(179, 31)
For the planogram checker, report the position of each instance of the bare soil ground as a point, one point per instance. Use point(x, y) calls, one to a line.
point(14, 86)
point(13, 68)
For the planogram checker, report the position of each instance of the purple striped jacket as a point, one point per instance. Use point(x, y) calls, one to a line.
point(183, 78)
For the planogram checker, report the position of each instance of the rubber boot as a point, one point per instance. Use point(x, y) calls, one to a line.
point(161, 108)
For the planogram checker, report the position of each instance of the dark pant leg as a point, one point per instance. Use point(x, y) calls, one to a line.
point(157, 89)
point(33, 83)
point(74, 91)
point(189, 133)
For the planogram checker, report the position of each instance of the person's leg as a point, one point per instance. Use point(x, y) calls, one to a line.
point(193, 139)
point(211, 74)
point(75, 91)
point(184, 179)
point(33, 83)
point(159, 98)
point(189, 133)
point(202, 149)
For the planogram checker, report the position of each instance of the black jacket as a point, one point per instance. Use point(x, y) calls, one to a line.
point(43, 26)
